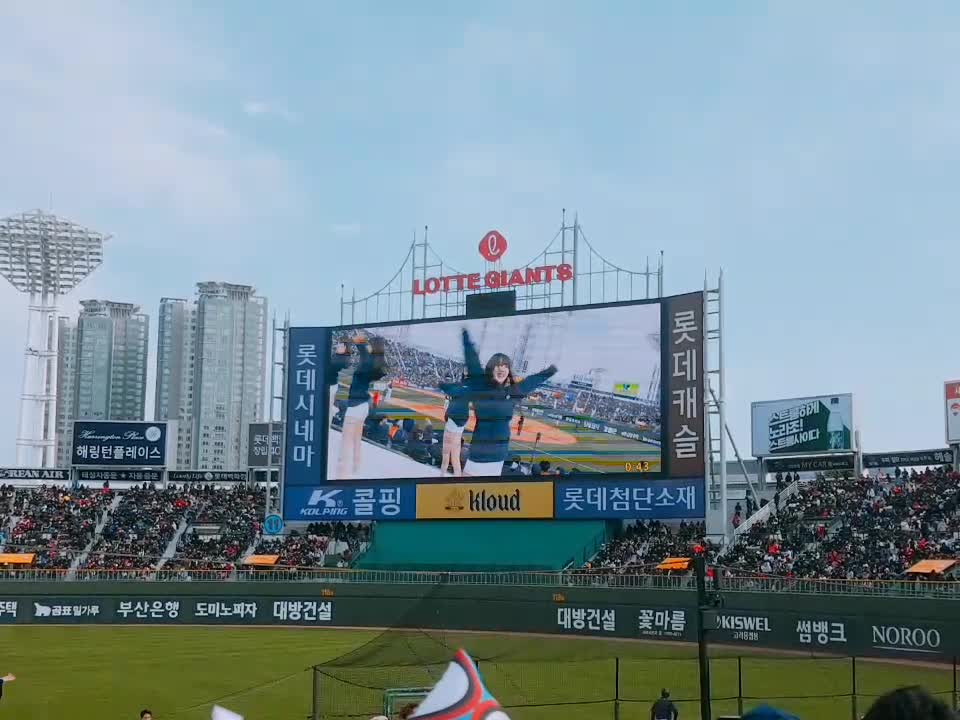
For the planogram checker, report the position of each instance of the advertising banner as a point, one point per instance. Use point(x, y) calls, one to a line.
point(641, 499)
point(627, 389)
point(206, 476)
point(802, 426)
point(908, 458)
point(137, 476)
point(485, 501)
point(813, 464)
point(349, 502)
point(119, 444)
point(951, 409)
point(307, 414)
point(58, 475)
point(257, 442)
point(683, 372)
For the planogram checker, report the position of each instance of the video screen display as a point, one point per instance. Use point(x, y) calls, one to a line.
point(541, 394)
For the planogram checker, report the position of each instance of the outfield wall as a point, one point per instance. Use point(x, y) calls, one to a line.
point(911, 629)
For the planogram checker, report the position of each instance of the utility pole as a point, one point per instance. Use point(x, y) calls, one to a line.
point(707, 603)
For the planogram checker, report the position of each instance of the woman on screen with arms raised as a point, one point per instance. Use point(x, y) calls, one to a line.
point(495, 395)
point(372, 366)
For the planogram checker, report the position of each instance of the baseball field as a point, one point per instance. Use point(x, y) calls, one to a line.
point(562, 444)
point(92, 673)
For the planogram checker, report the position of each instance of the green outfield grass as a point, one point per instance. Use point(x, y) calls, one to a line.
point(100, 673)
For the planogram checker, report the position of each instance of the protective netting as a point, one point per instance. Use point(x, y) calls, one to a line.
point(614, 687)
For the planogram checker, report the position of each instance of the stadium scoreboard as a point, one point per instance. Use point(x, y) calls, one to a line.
point(530, 414)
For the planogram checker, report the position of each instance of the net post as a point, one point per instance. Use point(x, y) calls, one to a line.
point(739, 685)
point(315, 714)
point(616, 688)
point(955, 697)
point(853, 682)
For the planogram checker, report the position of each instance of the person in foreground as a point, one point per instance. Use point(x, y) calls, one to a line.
point(4, 680)
point(664, 709)
point(460, 695)
point(909, 703)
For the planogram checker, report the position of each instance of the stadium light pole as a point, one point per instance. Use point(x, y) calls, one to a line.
point(44, 257)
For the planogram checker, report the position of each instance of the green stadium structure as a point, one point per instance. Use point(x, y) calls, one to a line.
point(474, 545)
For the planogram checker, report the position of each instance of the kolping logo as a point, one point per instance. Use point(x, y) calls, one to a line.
point(328, 502)
point(493, 246)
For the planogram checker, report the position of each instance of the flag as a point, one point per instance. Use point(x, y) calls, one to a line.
point(460, 695)
point(220, 713)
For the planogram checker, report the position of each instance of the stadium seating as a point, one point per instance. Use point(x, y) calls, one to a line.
point(830, 528)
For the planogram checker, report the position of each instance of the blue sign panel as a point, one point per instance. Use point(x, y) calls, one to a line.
point(639, 499)
point(119, 444)
point(350, 502)
point(273, 525)
point(305, 451)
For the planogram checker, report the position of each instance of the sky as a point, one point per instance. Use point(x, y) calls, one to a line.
point(809, 150)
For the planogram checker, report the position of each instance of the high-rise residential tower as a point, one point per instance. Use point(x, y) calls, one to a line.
point(211, 363)
point(101, 367)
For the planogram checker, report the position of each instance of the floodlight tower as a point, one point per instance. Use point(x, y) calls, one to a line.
point(44, 257)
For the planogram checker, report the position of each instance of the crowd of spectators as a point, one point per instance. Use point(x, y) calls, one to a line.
point(141, 527)
point(225, 524)
point(419, 367)
point(311, 549)
point(602, 406)
point(54, 523)
point(645, 544)
point(864, 528)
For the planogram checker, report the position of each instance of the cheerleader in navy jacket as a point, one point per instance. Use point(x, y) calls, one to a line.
point(372, 366)
point(495, 394)
point(338, 363)
point(457, 416)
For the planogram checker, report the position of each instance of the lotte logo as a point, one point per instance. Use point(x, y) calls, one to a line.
point(493, 246)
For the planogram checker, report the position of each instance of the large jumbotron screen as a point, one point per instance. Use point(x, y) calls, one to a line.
point(575, 420)
point(584, 396)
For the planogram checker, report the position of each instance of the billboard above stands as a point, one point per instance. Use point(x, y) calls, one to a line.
point(119, 444)
point(206, 476)
point(389, 402)
point(826, 463)
point(909, 458)
point(257, 441)
point(951, 402)
point(802, 426)
point(14, 474)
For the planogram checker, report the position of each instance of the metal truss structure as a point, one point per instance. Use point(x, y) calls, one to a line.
point(596, 280)
point(44, 257)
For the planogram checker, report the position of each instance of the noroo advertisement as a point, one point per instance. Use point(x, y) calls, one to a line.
point(802, 426)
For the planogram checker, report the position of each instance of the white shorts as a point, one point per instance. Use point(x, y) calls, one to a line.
point(333, 401)
point(485, 469)
point(358, 412)
point(452, 427)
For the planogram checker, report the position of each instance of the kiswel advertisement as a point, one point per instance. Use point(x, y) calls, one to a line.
point(486, 501)
point(802, 426)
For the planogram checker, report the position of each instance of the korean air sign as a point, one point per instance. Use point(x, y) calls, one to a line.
point(350, 503)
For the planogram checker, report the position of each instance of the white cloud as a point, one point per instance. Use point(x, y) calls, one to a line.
point(110, 109)
point(257, 108)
